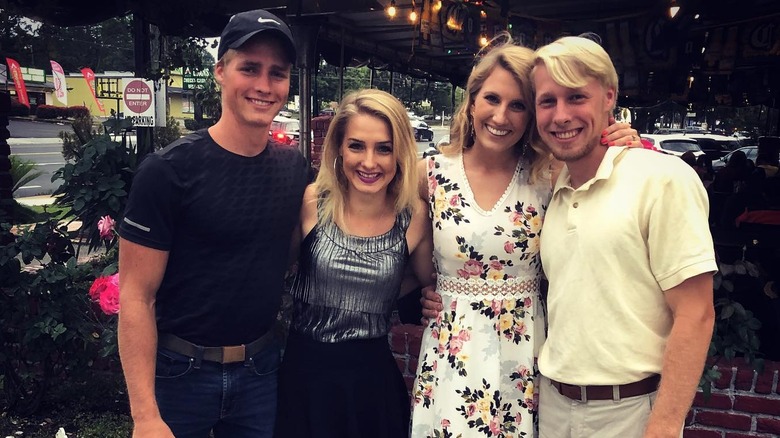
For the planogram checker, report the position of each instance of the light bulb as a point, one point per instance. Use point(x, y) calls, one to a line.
point(413, 16)
point(674, 8)
point(391, 10)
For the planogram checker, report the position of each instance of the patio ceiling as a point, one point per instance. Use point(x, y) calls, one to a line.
point(730, 48)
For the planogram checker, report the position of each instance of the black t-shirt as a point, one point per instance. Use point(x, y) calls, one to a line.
point(226, 221)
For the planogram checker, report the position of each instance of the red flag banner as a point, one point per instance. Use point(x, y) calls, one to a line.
point(89, 76)
point(15, 73)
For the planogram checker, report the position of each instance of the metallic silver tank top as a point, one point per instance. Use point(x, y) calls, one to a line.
point(346, 286)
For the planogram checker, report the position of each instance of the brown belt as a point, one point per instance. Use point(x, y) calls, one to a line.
point(607, 392)
point(229, 354)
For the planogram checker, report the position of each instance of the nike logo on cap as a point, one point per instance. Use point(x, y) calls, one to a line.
point(267, 20)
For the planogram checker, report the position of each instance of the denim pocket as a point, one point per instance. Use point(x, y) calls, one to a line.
point(267, 361)
point(171, 365)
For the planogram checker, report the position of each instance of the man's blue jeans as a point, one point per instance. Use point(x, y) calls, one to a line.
point(236, 400)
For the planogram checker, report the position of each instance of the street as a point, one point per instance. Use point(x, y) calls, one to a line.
point(38, 142)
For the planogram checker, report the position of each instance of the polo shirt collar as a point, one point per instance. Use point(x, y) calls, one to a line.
point(603, 172)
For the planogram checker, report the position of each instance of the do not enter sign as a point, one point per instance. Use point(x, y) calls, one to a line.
point(138, 98)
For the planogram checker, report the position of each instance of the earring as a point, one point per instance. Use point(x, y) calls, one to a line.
point(335, 164)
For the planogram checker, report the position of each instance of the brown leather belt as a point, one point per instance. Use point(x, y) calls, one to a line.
point(607, 392)
point(229, 354)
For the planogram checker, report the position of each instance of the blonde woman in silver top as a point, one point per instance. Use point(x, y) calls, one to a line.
point(362, 224)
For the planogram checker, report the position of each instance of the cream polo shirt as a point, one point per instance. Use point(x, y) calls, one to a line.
point(610, 248)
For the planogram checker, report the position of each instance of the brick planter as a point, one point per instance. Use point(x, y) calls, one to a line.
point(743, 403)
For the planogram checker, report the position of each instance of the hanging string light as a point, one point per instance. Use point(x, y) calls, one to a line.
point(391, 10)
point(437, 6)
point(674, 8)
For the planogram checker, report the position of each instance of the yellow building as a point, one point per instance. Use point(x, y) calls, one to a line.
point(108, 84)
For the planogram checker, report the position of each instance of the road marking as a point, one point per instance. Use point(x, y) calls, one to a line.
point(50, 164)
point(39, 153)
point(30, 187)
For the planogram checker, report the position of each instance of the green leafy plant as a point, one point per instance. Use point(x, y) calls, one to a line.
point(23, 171)
point(163, 136)
point(83, 133)
point(736, 328)
point(96, 184)
point(49, 326)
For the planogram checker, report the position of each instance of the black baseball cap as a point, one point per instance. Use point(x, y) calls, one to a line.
point(245, 25)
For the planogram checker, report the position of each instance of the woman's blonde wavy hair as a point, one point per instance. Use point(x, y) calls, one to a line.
point(518, 61)
point(331, 183)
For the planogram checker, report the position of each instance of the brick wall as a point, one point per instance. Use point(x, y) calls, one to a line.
point(319, 127)
point(743, 403)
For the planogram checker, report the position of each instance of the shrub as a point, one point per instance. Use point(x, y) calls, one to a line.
point(46, 112)
point(62, 112)
point(83, 133)
point(168, 134)
point(50, 329)
point(75, 112)
point(96, 184)
point(19, 110)
point(194, 125)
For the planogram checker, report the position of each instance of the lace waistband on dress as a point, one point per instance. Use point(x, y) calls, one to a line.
point(487, 288)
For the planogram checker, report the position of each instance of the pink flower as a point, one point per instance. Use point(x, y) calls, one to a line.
point(495, 264)
point(445, 422)
point(97, 288)
point(495, 426)
point(530, 209)
point(495, 306)
point(105, 290)
point(106, 227)
point(455, 200)
point(472, 268)
point(471, 409)
point(509, 247)
point(517, 218)
point(527, 302)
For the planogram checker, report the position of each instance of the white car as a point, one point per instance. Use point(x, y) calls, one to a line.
point(674, 144)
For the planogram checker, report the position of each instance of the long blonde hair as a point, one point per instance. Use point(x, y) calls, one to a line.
point(518, 61)
point(331, 183)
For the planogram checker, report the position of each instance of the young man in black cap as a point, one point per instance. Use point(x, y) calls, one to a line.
point(204, 247)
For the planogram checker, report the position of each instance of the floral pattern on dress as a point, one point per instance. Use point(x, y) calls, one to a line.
point(524, 378)
point(493, 269)
point(451, 336)
point(488, 413)
point(527, 226)
point(446, 199)
point(476, 371)
point(509, 316)
point(426, 380)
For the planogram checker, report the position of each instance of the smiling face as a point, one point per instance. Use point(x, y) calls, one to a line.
point(500, 112)
point(368, 161)
point(570, 120)
point(255, 82)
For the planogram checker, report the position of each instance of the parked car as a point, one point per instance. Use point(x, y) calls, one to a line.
point(716, 146)
point(422, 132)
point(285, 130)
point(750, 151)
point(434, 149)
point(674, 144)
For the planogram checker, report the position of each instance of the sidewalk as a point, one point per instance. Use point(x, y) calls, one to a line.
point(36, 200)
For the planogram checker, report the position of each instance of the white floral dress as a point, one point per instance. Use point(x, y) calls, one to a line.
point(476, 371)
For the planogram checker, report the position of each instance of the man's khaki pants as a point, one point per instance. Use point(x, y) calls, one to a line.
point(562, 417)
